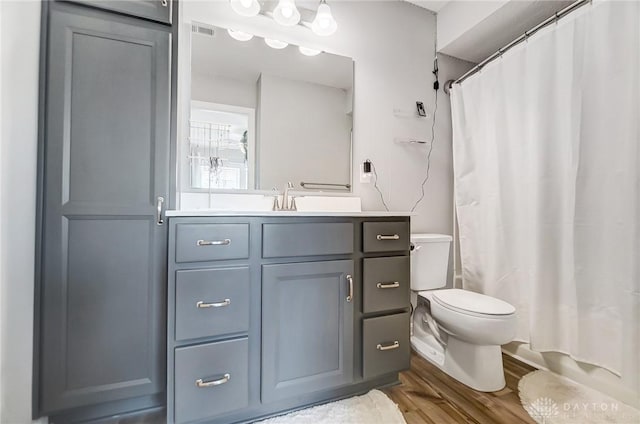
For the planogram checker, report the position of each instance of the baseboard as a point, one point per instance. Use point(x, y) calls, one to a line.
point(589, 375)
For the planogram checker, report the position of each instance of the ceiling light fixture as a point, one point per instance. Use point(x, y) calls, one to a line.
point(275, 44)
point(245, 7)
point(309, 52)
point(286, 13)
point(324, 24)
point(240, 35)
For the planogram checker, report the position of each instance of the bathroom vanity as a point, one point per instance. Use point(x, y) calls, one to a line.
point(270, 312)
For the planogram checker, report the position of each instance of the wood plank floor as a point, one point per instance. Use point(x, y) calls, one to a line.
point(428, 395)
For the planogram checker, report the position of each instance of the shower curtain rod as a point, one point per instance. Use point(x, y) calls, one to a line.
point(557, 16)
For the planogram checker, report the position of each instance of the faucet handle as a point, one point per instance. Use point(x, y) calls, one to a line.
point(293, 203)
point(289, 184)
point(276, 203)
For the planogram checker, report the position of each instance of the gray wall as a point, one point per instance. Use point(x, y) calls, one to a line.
point(392, 44)
point(302, 120)
point(223, 90)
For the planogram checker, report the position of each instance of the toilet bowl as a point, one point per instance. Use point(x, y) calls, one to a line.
point(457, 330)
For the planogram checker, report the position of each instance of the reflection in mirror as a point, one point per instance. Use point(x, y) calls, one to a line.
point(220, 138)
point(262, 116)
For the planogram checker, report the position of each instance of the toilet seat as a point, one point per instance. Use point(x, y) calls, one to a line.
point(471, 303)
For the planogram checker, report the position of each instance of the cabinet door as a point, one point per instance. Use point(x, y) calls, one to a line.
point(307, 328)
point(106, 150)
point(155, 10)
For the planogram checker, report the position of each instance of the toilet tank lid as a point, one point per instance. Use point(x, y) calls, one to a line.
point(430, 238)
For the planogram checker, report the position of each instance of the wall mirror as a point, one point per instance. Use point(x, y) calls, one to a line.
point(263, 113)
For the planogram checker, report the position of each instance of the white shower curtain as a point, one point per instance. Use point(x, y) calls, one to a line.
point(547, 180)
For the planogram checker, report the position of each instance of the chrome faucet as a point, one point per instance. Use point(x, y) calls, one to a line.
point(288, 204)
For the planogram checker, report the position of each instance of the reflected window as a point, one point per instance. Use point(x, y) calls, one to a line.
point(220, 146)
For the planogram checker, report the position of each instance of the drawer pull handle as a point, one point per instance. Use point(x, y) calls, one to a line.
point(224, 242)
point(393, 285)
point(392, 346)
point(204, 384)
point(203, 305)
point(350, 295)
point(383, 237)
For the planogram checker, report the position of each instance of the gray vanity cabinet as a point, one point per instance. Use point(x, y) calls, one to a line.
point(155, 10)
point(307, 331)
point(267, 314)
point(105, 152)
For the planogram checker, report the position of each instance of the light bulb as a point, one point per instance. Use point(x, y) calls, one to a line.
point(240, 35)
point(308, 51)
point(324, 24)
point(286, 13)
point(275, 44)
point(245, 7)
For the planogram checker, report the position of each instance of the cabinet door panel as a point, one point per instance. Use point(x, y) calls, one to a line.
point(228, 288)
point(307, 334)
point(385, 236)
point(385, 345)
point(306, 239)
point(106, 156)
point(155, 10)
point(385, 284)
point(228, 363)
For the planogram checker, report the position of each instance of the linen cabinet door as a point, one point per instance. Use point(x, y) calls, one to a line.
point(155, 10)
point(307, 331)
point(106, 173)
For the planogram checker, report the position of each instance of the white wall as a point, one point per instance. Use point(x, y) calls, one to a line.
point(301, 119)
point(19, 38)
point(459, 17)
point(474, 30)
point(392, 44)
point(2, 277)
point(223, 91)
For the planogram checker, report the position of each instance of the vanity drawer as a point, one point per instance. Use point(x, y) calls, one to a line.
point(307, 239)
point(385, 345)
point(386, 284)
point(211, 379)
point(211, 302)
point(385, 236)
point(211, 242)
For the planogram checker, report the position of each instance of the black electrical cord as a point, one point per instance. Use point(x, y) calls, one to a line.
point(375, 185)
point(436, 86)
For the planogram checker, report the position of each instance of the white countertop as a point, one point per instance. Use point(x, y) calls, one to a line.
point(205, 212)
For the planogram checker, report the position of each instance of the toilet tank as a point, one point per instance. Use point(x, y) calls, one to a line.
point(429, 261)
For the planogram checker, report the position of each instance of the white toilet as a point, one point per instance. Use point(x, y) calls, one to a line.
point(457, 330)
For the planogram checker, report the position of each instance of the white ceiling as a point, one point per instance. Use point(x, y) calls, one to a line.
point(432, 5)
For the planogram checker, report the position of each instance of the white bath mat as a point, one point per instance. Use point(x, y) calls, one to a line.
point(552, 399)
point(374, 407)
